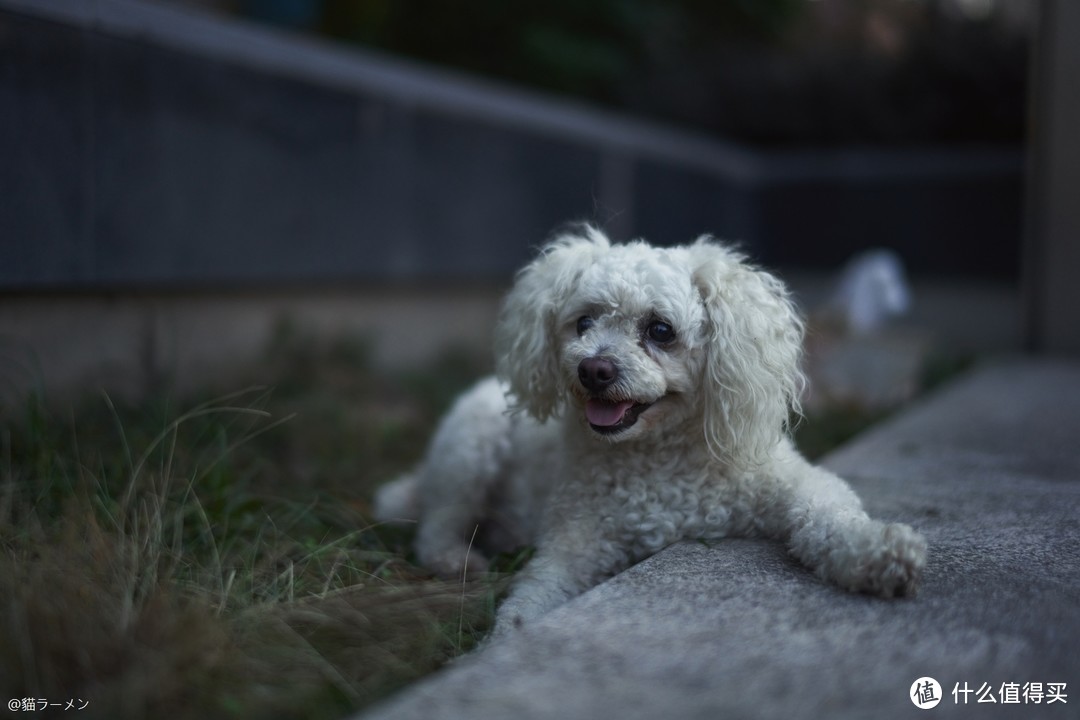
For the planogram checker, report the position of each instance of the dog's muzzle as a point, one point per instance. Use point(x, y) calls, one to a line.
point(606, 416)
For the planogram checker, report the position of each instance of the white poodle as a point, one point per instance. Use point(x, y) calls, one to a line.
point(643, 397)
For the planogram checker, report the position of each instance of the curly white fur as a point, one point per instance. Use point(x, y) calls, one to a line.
point(643, 398)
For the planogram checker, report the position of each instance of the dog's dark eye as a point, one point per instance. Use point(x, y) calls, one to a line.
point(584, 323)
point(660, 332)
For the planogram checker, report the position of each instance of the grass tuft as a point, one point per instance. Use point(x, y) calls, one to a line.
point(219, 561)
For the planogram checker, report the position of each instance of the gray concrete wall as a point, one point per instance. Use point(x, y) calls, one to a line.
point(132, 344)
point(151, 146)
point(128, 343)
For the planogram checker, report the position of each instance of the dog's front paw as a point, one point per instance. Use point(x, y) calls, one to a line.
point(504, 627)
point(513, 615)
point(892, 565)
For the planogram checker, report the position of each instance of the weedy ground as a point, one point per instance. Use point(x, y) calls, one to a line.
point(217, 558)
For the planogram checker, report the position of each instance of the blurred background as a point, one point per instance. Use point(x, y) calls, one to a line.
point(251, 250)
point(181, 178)
point(770, 73)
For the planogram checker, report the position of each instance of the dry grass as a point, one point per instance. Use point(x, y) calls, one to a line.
point(219, 562)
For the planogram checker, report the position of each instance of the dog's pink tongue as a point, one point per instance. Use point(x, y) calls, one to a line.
point(606, 414)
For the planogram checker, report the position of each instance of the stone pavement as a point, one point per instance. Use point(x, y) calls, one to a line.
point(988, 470)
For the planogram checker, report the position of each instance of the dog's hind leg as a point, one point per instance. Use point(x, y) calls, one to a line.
point(396, 502)
point(464, 465)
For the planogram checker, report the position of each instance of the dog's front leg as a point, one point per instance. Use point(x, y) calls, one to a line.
point(570, 559)
point(825, 527)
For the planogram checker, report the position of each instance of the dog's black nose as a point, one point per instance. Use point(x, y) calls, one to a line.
point(597, 373)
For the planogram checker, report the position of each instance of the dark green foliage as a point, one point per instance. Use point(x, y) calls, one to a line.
point(773, 72)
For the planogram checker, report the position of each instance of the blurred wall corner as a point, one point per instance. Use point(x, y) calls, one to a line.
point(1052, 243)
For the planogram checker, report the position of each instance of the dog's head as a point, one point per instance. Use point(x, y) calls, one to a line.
point(636, 340)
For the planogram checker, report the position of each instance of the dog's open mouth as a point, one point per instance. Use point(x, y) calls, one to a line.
point(607, 417)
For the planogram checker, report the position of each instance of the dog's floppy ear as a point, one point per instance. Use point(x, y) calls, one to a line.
point(752, 379)
point(526, 354)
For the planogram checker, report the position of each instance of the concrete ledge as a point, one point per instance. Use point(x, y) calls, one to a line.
point(126, 343)
point(129, 345)
point(989, 470)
